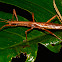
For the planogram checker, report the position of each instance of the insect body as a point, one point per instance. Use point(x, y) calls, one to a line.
point(33, 24)
point(39, 25)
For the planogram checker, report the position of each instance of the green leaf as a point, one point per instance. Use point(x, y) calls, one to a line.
point(11, 39)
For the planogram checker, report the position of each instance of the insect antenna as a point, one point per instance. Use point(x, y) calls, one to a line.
point(58, 12)
point(4, 20)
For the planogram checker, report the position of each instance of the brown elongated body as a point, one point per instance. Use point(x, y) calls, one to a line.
point(38, 25)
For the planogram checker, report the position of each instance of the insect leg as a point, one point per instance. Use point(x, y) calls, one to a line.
point(27, 31)
point(6, 25)
point(51, 18)
point(52, 34)
point(33, 17)
point(14, 13)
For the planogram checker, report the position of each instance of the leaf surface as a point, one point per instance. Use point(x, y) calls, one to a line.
point(11, 43)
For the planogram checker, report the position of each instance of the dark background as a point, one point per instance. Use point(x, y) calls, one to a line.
point(43, 53)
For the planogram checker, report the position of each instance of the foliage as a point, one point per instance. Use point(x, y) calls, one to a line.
point(11, 39)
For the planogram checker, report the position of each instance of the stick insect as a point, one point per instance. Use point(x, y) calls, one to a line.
point(33, 24)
